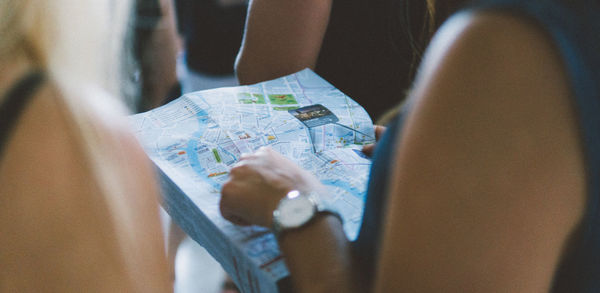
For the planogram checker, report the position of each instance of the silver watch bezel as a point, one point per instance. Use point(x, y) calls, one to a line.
point(293, 197)
point(317, 207)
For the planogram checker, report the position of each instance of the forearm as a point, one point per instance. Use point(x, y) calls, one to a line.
point(158, 59)
point(317, 253)
point(281, 37)
point(319, 258)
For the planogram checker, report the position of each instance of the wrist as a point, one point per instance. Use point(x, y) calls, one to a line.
point(297, 209)
point(305, 184)
point(321, 222)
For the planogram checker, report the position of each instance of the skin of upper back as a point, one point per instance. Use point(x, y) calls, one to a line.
point(59, 230)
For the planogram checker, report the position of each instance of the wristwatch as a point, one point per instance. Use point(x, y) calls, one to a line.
point(297, 209)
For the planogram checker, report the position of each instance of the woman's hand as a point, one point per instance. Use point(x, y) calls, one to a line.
point(256, 185)
point(368, 149)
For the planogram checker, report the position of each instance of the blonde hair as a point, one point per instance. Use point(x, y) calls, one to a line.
point(70, 40)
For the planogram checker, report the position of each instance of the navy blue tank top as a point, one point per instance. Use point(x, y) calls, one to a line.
point(574, 28)
point(369, 50)
point(365, 55)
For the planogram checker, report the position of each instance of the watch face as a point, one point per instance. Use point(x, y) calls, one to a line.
point(296, 211)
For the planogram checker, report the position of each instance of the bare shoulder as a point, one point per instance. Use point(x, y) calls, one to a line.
point(495, 41)
point(489, 176)
point(503, 77)
point(56, 134)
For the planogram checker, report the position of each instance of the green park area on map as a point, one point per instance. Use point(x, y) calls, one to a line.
point(217, 157)
point(195, 140)
point(282, 100)
point(246, 98)
point(285, 108)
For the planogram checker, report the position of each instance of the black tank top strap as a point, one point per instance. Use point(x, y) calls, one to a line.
point(14, 102)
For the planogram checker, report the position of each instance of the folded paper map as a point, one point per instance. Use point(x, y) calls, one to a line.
point(194, 141)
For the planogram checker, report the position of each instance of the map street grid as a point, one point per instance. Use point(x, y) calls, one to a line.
point(195, 140)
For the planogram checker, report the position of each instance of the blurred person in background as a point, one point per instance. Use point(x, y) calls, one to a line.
point(368, 49)
point(156, 45)
point(212, 32)
point(78, 200)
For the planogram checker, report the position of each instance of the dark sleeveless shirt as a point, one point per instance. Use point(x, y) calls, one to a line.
point(574, 28)
point(13, 104)
point(368, 55)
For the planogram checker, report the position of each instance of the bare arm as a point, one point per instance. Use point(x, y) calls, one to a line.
point(281, 37)
point(158, 59)
point(488, 181)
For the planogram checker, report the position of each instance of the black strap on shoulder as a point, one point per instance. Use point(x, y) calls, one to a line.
point(14, 102)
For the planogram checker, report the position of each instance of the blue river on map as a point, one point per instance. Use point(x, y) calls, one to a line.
point(191, 149)
point(192, 146)
point(345, 186)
